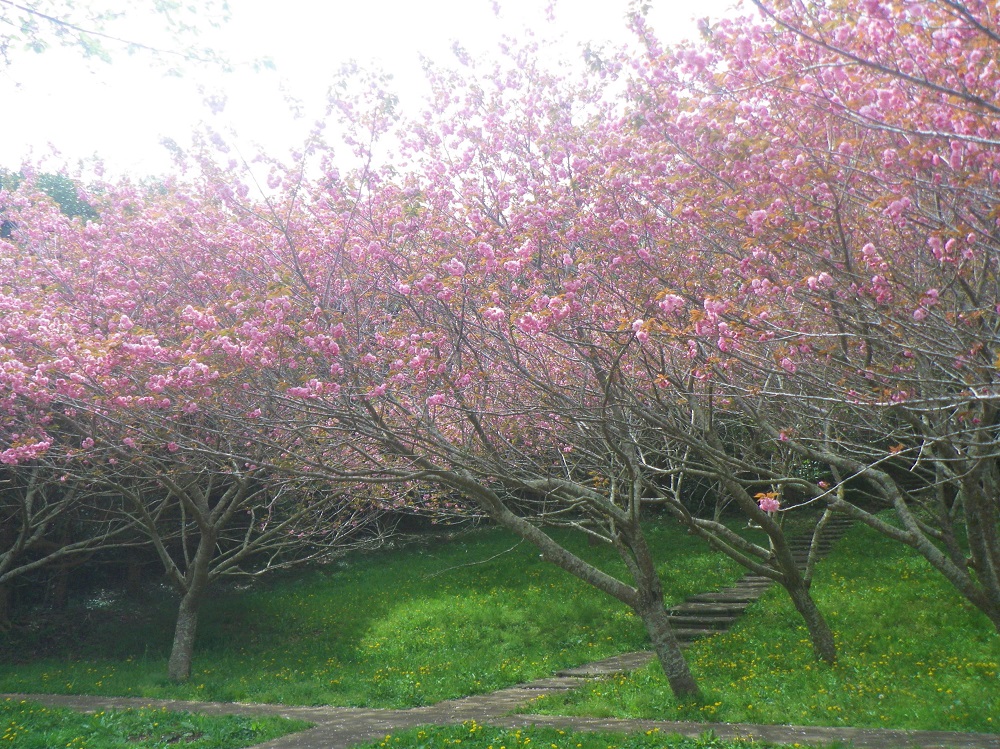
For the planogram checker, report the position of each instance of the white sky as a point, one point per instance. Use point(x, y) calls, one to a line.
point(122, 110)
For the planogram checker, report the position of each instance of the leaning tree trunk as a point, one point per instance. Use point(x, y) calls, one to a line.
point(797, 585)
point(819, 631)
point(634, 552)
point(992, 610)
point(668, 650)
point(646, 599)
point(790, 577)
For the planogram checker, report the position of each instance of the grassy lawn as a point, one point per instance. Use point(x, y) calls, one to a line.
point(394, 629)
point(912, 654)
point(28, 725)
point(474, 736)
point(418, 625)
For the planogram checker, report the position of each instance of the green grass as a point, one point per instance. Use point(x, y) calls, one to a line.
point(912, 654)
point(28, 725)
point(471, 735)
point(394, 629)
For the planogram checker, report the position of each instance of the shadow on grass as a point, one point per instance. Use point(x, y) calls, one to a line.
point(394, 628)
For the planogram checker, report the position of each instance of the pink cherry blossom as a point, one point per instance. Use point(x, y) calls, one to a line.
point(769, 504)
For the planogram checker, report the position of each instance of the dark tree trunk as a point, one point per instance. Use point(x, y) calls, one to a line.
point(185, 631)
point(797, 584)
point(993, 613)
point(133, 577)
point(59, 589)
point(634, 551)
point(819, 631)
point(646, 599)
point(196, 584)
point(988, 605)
point(668, 650)
point(5, 606)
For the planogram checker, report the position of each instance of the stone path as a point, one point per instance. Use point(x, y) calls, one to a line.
point(699, 616)
point(344, 727)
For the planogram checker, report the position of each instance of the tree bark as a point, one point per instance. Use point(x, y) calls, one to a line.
point(185, 631)
point(992, 611)
point(819, 631)
point(196, 584)
point(59, 589)
point(797, 585)
point(5, 606)
point(668, 650)
point(133, 576)
point(646, 599)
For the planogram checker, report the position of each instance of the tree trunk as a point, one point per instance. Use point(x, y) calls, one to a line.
point(59, 587)
point(797, 586)
point(182, 652)
point(819, 631)
point(133, 576)
point(993, 612)
point(646, 599)
point(988, 605)
point(5, 606)
point(668, 650)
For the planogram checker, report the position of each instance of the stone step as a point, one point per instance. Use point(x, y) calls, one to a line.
point(689, 634)
point(615, 665)
point(807, 541)
point(695, 608)
point(757, 589)
point(556, 682)
point(702, 622)
point(727, 597)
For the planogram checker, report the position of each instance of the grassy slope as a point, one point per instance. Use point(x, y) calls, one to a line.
point(392, 629)
point(912, 654)
point(471, 735)
point(28, 725)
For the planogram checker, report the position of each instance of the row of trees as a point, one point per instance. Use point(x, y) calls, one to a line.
point(764, 264)
point(98, 405)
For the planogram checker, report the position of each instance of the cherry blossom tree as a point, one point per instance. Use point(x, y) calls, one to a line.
point(831, 174)
point(128, 373)
point(420, 359)
point(48, 516)
point(740, 276)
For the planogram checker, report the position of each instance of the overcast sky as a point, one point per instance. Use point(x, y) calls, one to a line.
point(122, 111)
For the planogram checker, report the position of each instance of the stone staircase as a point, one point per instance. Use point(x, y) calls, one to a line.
point(698, 616)
point(707, 614)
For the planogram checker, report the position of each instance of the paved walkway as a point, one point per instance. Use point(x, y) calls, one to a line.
point(699, 616)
